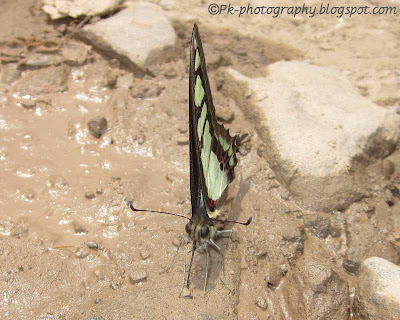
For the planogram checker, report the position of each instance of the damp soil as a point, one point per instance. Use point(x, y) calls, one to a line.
point(70, 248)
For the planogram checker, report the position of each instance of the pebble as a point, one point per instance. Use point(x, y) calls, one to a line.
point(147, 92)
point(28, 103)
point(97, 126)
point(170, 73)
point(224, 114)
point(137, 276)
point(145, 255)
point(42, 60)
point(285, 195)
point(388, 168)
point(261, 303)
point(78, 228)
point(351, 266)
point(92, 244)
point(18, 231)
point(110, 80)
point(115, 285)
point(182, 140)
point(271, 185)
point(89, 195)
point(186, 293)
point(81, 253)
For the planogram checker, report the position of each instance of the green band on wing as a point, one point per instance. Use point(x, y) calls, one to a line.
point(197, 61)
point(205, 152)
point(224, 144)
point(230, 152)
point(231, 161)
point(198, 92)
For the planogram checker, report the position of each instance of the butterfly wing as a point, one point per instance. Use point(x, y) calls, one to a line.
point(212, 148)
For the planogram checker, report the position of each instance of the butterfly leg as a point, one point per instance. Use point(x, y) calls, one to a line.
point(220, 233)
point(207, 265)
point(222, 261)
point(184, 271)
point(183, 239)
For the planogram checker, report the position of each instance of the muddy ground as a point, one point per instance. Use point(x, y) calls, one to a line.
point(63, 188)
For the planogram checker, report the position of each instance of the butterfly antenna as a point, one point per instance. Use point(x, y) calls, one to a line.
point(130, 203)
point(238, 222)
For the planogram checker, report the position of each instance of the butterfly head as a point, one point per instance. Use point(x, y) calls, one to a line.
point(202, 230)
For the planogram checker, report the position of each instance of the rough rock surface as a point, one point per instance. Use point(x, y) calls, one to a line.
point(146, 31)
point(58, 9)
point(314, 290)
point(378, 290)
point(319, 131)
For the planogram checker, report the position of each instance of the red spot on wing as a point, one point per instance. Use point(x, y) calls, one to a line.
point(212, 203)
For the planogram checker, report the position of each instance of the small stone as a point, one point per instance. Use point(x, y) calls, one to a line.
point(18, 231)
point(115, 285)
point(169, 178)
point(62, 28)
point(170, 73)
point(89, 195)
point(186, 293)
point(147, 92)
point(224, 114)
point(92, 244)
point(145, 255)
point(182, 141)
point(79, 229)
point(285, 195)
point(29, 195)
point(137, 276)
point(99, 191)
point(318, 225)
point(388, 168)
point(243, 263)
point(140, 138)
point(244, 149)
point(42, 60)
point(81, 253)
point(28, 103)
point(351, 266)
point(271, 184)
point(97, 126)
point(270, 174)
point(75, 53)
point(389, 197)
point(97, 300)
point(114, 63)
point(110, 80)
point(261, 303)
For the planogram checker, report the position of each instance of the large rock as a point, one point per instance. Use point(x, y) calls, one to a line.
point(378, 290)
point(313, 291)
point(58, 9)
point(319, 131)
point(139, 35)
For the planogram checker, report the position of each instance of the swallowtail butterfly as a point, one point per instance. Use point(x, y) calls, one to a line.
point(212, 157)
point(212, 160)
